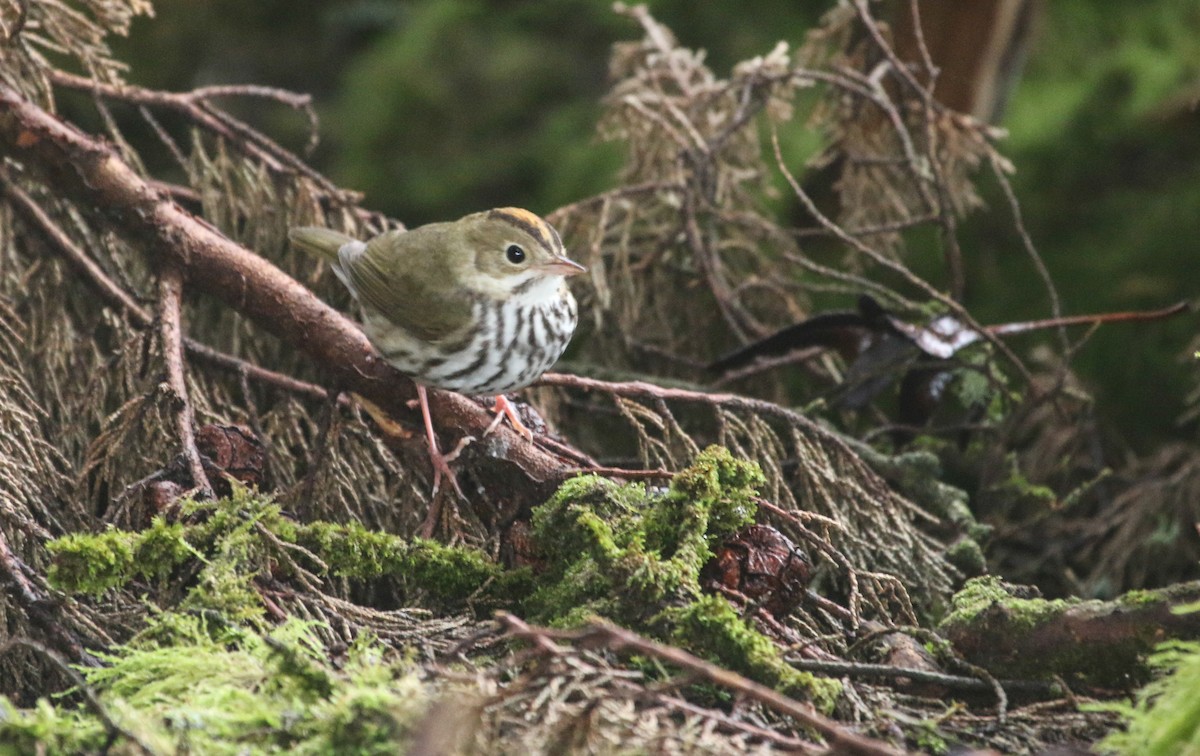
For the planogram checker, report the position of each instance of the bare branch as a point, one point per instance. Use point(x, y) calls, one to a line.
point(618, 639)
point(170, 292)
point(195, 107)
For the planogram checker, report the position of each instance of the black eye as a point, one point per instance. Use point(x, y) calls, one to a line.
point(515, 254)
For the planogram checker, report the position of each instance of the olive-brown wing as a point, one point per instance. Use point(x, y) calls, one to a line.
point(407, 277)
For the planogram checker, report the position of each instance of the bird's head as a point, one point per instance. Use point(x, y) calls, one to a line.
point(513, 253)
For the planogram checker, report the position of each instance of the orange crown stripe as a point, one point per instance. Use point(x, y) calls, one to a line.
point(528, 221)
point(521, 215)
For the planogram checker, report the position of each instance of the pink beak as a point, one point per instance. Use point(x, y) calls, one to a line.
point(563, 267)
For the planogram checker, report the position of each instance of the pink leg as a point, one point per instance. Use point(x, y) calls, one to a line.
point(503, 408)
point(441, 465)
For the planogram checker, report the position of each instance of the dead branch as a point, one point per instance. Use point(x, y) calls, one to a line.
point(170, 292)
point(616, 639)
point(1005, 329)
point(619, 472)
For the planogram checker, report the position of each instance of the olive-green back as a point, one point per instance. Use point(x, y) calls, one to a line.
point(413, 278)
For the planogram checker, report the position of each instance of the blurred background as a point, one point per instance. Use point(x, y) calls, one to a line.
point(436, 108)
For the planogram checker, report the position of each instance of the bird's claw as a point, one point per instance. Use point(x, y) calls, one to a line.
point(503, 408)
point(441, 467)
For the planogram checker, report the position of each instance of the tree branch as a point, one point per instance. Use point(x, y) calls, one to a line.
point(170, 292)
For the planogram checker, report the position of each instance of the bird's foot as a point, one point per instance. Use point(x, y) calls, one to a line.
point(503, 408)
point(441, 465)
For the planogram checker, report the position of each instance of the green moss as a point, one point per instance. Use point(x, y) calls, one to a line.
point(967, 556)
point(92, 563)
point(622, 551)
point(96, 562)
point(718, 485)
point(710, 626)
point(1137, 598)
point(626, 552)
point(1016, 493)
point(351, 550)
point(237, 540)
point(588, 514)
point(447, 574)
point(47, 729)
point(224, 587)
point(928, 739)
point(1165, 719)
point(181, 687)
point(982, 593)
point(161, 546)
point(989, 616)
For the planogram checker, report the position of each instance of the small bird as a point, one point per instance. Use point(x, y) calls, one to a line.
point(479, 305)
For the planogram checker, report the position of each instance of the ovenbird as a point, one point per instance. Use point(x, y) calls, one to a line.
point(479, 305)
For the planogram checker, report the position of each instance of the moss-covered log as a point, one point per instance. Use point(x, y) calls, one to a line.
point(1097, 643)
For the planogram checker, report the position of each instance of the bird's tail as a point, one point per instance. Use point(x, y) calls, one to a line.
point(317, 240)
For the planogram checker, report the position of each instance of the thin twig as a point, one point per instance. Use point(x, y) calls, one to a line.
point(113, 730)
point(119, 299)
point(170, 292)
point(1039, 264)
point(648, 187)
point(620, 472)
point(194, 106)
point(881, 228)
point(944, 207)
point(618, 639)
point(865, 671)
